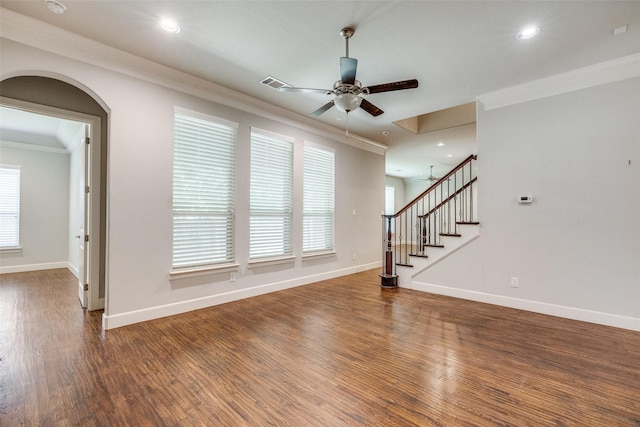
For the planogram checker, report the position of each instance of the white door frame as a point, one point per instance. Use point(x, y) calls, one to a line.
point(94, 302)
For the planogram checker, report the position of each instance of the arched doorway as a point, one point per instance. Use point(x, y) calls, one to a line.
point(58, 98)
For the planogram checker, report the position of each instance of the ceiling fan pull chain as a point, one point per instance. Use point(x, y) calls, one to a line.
point(347, 126)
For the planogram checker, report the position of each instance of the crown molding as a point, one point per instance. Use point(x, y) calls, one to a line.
point(623, 68)
point(43, 36)
point(32, 147)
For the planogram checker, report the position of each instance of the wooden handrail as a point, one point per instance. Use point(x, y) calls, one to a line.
point(448, 199)
point(444, 178)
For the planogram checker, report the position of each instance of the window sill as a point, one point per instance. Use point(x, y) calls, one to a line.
point(11, 250)
point(271, 261)
point(202, 271)
point(316, 255)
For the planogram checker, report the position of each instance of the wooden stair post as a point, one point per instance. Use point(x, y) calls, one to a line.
point(388, 278)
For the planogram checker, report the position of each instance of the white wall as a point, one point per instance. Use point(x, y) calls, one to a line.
point(139, 194)
point(399, 191)
point(44, 204)
point(576, 249)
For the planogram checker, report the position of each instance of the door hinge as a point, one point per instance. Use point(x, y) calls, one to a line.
point(87, 140)
point(86, 189)
point(86, 286)
point(86, 237)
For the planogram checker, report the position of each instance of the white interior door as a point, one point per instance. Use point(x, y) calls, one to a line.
point(83, 204)
point(95, 301)
point(82, 279)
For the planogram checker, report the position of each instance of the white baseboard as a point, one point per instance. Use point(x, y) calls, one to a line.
point(573, 313)
point(74, 270)
point(33, 267)
point(113, 321)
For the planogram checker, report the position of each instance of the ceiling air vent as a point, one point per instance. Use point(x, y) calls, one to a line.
point(274, 83)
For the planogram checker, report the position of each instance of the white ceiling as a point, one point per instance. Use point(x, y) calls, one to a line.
point(457, 50)
point(29, 128)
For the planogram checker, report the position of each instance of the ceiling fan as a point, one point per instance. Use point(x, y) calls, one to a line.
point(348, 91)
point(431, 178)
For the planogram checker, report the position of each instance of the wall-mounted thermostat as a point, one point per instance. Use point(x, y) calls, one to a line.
point(525, 200)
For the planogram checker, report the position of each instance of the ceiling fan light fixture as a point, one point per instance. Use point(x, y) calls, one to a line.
point(347, 102)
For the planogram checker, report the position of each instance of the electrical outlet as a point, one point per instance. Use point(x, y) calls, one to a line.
point(353, 257)
point(514, 282)
point(232, 277)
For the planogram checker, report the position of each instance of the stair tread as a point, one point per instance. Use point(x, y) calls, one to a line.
point(420, 255)
point(433, 246)
point(404, 265)
point(451, 234)
point(468, 222)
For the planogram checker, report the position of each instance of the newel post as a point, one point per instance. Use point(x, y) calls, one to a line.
point(388, 277)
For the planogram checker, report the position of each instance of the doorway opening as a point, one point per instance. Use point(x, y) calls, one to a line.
point(61, 216)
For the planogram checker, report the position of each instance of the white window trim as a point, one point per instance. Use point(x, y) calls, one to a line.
point(12, 250)
point(315, 255)
point(185, 273)
point(264, 262)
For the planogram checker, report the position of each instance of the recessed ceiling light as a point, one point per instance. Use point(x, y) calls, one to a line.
point(385, 132)
point(55, 6)
point(440, 144)
point(169, 25)
point(449, 155)
point(529, 32)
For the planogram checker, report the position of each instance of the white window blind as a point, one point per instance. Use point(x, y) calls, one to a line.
point(271, 194)
point(203, 190)
point(318, 201)
point(9, 207)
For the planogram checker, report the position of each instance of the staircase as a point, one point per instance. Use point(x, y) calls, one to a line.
point(434, 225)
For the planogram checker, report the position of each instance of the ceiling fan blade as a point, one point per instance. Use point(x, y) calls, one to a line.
point(348, 68)
point(322, 109)
point(370, 108)
point(304, 89)
point(388, 87)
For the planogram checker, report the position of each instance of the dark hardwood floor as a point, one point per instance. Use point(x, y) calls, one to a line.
point(342, 352)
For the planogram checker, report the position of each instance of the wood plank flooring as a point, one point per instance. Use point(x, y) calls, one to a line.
point(342, 352)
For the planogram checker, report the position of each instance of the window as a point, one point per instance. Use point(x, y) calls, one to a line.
point(318, 198)
point(271, 195)
point(389, 200)
point(203, 190)
point(9, 207)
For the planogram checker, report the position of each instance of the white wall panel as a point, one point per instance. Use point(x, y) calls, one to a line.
point(577, 245)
